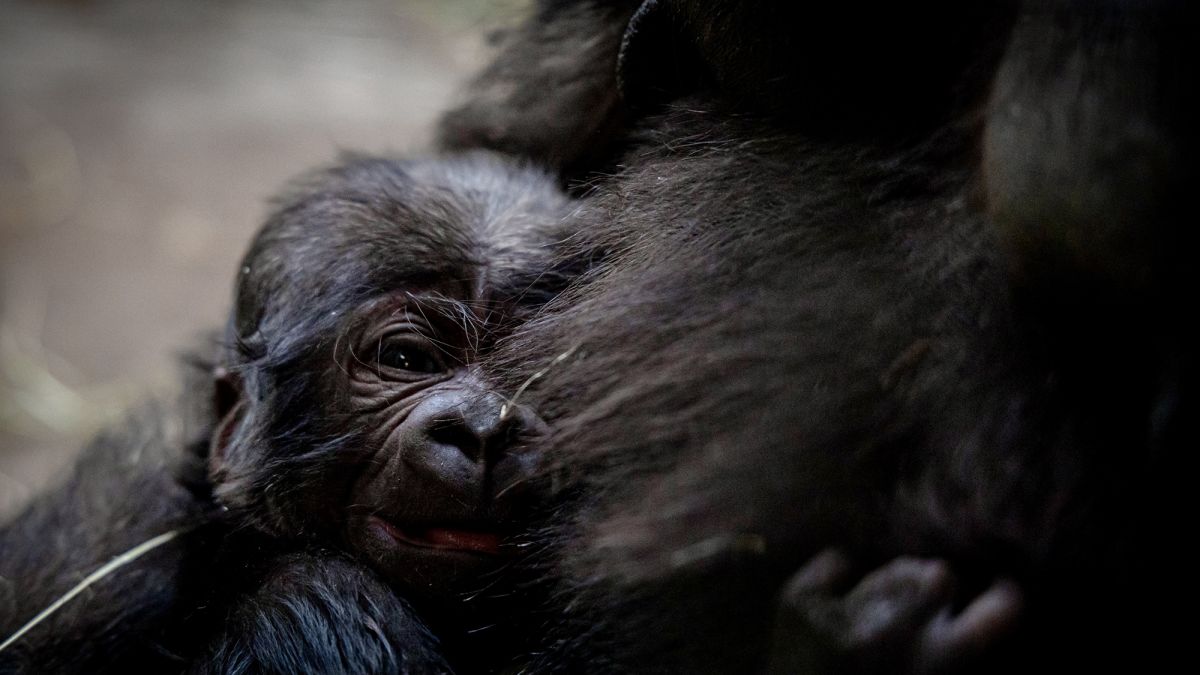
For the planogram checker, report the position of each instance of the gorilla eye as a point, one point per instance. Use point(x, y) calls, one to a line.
point(408, 357)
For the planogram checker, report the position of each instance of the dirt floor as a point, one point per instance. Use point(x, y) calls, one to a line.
point(138, 143)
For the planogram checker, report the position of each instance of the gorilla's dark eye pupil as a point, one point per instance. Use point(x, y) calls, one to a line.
point(408, 357)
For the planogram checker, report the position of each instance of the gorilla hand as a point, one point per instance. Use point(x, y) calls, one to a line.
point(901, 617)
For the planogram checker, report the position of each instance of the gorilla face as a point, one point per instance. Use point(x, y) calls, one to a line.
point(358, 417)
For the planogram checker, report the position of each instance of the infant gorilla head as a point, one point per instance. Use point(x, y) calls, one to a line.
point(352, 410)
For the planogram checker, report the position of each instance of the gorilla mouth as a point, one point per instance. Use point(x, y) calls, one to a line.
point(445, 538)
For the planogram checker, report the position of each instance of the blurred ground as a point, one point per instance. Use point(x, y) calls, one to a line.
point(138, 141)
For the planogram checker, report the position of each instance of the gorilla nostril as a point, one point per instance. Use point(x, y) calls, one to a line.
point(456, 433)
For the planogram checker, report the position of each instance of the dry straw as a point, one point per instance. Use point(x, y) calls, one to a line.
point(110, 567)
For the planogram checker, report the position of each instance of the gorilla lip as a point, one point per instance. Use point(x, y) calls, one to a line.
point(446, 538)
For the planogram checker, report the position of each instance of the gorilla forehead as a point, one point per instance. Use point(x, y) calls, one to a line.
point(476, 225)
point(410, 219)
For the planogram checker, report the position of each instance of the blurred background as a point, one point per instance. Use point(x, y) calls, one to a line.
point(139, 140)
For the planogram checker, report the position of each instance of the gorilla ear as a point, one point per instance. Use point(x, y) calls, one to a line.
point(229, 404)
point(227, 392)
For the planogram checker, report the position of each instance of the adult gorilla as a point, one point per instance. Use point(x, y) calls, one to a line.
point(901, 280)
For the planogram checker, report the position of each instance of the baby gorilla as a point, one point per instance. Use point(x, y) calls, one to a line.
point(355, 426)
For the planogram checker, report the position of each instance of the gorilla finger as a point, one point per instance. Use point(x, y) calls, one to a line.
point(892, 602)
point(954, 640)
point(823, 574)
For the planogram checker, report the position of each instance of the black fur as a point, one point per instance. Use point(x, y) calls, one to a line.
point(567, 50)
point(131, 484)
point(322, 614)
point(845, 299)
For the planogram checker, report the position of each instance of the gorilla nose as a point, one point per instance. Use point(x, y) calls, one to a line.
point(470, 452)
point(474, 424)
